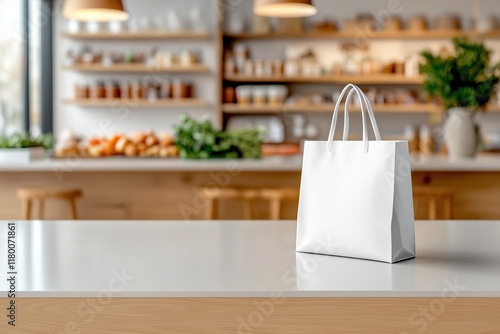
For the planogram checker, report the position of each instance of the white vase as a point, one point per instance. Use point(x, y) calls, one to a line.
point(460, 133)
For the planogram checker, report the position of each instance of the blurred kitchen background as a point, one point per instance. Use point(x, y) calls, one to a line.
point(131, 111)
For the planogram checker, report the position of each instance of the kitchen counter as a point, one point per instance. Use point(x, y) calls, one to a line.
point(120, 164)
point(482, 163)
point(212, 277)
point(243, 259)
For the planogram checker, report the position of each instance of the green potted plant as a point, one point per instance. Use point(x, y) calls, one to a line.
point(23, 148)
point(465, 81)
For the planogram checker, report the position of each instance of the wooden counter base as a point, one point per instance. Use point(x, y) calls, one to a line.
point(173, 195)
point(255, 315)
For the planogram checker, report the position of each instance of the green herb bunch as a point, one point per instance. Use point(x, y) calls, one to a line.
point(21, 140)
point(199, 140)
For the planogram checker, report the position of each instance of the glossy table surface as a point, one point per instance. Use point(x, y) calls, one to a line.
point(240, 259)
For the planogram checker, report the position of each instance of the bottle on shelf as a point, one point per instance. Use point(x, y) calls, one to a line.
point(166, 89)
point(426, 140)
point(82, 91)
point(98, 91)
point(412, 135)
point(412, 66)
point(197, 21)
point(112, 90)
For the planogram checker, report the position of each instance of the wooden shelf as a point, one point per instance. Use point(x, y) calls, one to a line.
point(376, 79)
point(430, 34)
point(327, 107)
point(136, 68)
point(490, 34)
point(138, 35)
point(161, 103)
point(234, 108)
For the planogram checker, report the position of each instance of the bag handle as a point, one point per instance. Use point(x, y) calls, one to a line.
point(363, 102)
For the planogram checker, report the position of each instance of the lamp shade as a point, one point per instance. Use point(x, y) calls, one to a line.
point(95, 10)
point(284, 8)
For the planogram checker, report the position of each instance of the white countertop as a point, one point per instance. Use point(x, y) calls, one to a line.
point(482, 163)
point(241, 259)
point(286, 163)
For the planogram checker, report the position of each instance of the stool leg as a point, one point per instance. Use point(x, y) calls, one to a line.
point(448, 207)
point(41, 209)
point(275, 209)
point(210, 209)
point(432, 208)
point(247, 209)
point(72, 208)
point(26, 210)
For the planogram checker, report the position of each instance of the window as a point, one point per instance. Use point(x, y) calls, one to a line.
point(21, 26)
point(12, 66)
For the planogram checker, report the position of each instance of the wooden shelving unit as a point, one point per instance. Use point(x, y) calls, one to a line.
point(222, 40)
point(327, 108)
point(400, 35)
point(128, 35)
point(376, 79)
point(161, 103)
point(136, 68)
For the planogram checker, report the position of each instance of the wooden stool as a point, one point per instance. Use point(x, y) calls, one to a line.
point(276, 198)
point(213, 195)
point(432, 195)
point(28, 195)
point(247, 195)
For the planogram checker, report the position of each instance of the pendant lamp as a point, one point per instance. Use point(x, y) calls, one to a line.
point(284, 8)
point(95, 10)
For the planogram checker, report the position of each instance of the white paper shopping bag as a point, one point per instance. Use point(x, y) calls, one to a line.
point(356, 196)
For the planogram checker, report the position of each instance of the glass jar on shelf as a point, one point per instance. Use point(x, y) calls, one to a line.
point(180, 89)
point(165, 89)
point(98, 91)
point(229, 95)
point(136, 90)
point(426, 140)
point(278, 67)
point(259, 95)
point(107, 59)
point(258, 68)
point(292, 68)
point(112, 90)
point(230, 66)
point(351, 65)
point(187, 58)
point(244, 94)
point(125, 91)
point(248, 70)
point(82, 90)
point(152, 93)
